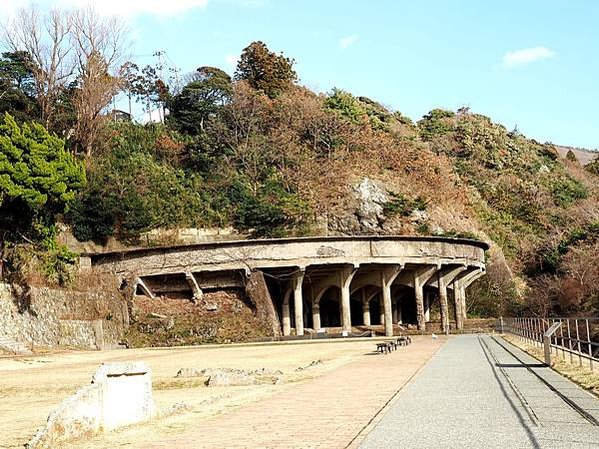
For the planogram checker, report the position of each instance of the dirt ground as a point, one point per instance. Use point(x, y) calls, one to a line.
point(31, 387)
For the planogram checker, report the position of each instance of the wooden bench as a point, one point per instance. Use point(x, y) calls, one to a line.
point(403, 340)
point(383, 348)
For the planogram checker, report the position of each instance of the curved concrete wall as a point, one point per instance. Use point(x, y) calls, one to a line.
point(349, 263)
point(297, 252)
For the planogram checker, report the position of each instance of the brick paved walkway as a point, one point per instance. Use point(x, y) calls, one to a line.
point(328, 412)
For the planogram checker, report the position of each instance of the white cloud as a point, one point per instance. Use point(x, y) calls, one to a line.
point(345, 42)
point(129, 8)
point(249, 3)
point(8, 7)
point(231, 60)
point(526, 56)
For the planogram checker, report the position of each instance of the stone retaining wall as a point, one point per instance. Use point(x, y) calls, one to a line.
point(51, 317)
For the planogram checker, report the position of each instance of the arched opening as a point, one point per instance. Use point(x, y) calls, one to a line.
point(330, 315)
point(376, 309)
point(406, 304)
point(356, 311)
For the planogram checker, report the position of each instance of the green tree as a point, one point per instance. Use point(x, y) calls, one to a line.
point(436, 123)
point(38, 177)
point(265, 70)
point(273, 210)
point(17, 87)
point(346, 104)
point(571, 156)
point(131, 191)
point(593, 167)
point(209, 90)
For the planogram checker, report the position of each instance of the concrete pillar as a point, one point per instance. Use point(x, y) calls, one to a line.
point(463, 307)
point(286, 315)
point(421, 276)
point(418, 295)
point(459, 291)
point(443, 303)
point(399, 317)
point(395, 313)
point(346, 275)
point(381, 309)
point(298, 303)
point(388, 275)
point(316, 316)
point(445, 278)
point(459, 317)
point(427, 306)
point(365, 308)
point(387, 307)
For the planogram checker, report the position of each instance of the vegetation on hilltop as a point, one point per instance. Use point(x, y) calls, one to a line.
point(261, 153)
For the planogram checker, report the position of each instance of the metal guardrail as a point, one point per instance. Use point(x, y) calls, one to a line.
point(564, 337)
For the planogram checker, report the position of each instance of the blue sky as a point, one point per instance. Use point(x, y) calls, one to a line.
point(534, 64)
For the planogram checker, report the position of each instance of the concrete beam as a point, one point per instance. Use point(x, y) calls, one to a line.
point(472, 276)
point(144, 288)
point(363, 281)
point(388, 276)
point(322, 286)
point(195, 288)
point(282, 253)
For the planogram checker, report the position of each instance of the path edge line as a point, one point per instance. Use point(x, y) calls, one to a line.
point(369, 426)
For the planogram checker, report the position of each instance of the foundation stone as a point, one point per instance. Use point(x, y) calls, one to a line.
point(120, 395)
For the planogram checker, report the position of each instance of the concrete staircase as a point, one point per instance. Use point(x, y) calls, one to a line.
point(9, 345)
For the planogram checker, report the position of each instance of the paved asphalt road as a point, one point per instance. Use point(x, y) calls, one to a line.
point(477, 392)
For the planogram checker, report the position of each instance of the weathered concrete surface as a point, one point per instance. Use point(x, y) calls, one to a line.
point(304, 269)
point(300, 252)
point(51, 317)
point(120, 394)
point(258, 293)
point(76, 417)
point(474, 394)
point(126, 391)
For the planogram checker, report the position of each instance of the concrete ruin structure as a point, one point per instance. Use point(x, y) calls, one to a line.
point(317, 282)
point(119, 395)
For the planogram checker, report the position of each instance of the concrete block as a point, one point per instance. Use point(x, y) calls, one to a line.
point(120, 395)
point(76, 417)
point(126, 393)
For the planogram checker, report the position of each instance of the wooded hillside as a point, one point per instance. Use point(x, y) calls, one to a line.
point(260, 152)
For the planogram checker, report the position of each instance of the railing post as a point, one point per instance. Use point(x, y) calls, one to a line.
point(561, 340)
point(570, 341)
point(578, 344)
point(547, 341)
point(590, 345)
